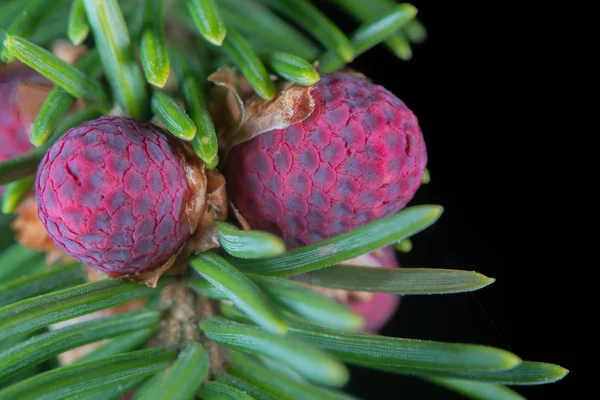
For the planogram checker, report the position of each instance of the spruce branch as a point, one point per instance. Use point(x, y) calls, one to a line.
point(239, 314)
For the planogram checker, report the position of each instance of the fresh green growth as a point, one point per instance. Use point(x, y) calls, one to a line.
point(59, 101)
point(426, 177)
point(318, 24)
point(174, 118)
point(153, 48)
point(121, 344)
point(116, 53)
point(208, 20)
point(248, 244)
point(404, 246)
point(15, 192)
point(70, 78)
point(404, 281)
point(370, 34)
point(293, 68)
point(245, 58)
point(31, 15)
point(78, 28)
point(260, 23)
point(221, 391)
point(205, 141)
point(101, 374)
point(364, 11)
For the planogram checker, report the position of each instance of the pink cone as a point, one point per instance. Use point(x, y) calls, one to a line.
point(112, 194)
point(14, 141)
point(358, 157)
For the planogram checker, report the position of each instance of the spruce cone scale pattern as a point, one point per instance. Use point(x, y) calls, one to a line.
point(112, 193)
point(360, 156)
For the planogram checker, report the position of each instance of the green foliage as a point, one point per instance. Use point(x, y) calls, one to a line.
point(238, 288)
point(70, 78)
point(41, 282)
point(245, 58)
point(26, 21)
point(371, 33)
point(40, 311)
point(43, 346)
point(177, 122)
point(208, 20)
point(78, 28)
point(346, 246)
point(116, 53)
point(256, 21)
point(221, 391)
point(293, 68)
point(16, 261)
point(405, 281)
point(94, 375)
point(317, 23)
point(250, 374)
point(59, 101)
point(277, 339)
point(153, 48)
point(205, 142)
point(526, 373)
point(183, 378)
point(420, 356)
point(478, 390)
point(307, 360)
point(15, 192)
point(309, 304)
point(248, 244)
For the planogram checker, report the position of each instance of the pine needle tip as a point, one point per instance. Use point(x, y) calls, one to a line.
point(217, 38)
point(212, 163)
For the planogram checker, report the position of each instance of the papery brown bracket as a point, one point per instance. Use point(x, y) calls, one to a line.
point(240, 218)
point(30, 98)
point(151, 278)
point(206, 204)
point(207, 236)
point(67, 51)
point(240, 115)
point(226, 104)
point(292, 104)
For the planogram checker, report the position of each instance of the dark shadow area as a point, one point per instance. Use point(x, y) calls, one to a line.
point(473, 99)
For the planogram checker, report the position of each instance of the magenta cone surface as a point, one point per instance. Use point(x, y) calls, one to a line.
point(112, 193)
point(14, 141)
point(358, 157)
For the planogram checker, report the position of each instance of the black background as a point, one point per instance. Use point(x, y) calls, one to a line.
point(488, 122)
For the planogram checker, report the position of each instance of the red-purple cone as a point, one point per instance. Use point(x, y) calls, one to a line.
point(358, 157)
point(112, 194)
point(14, 141)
